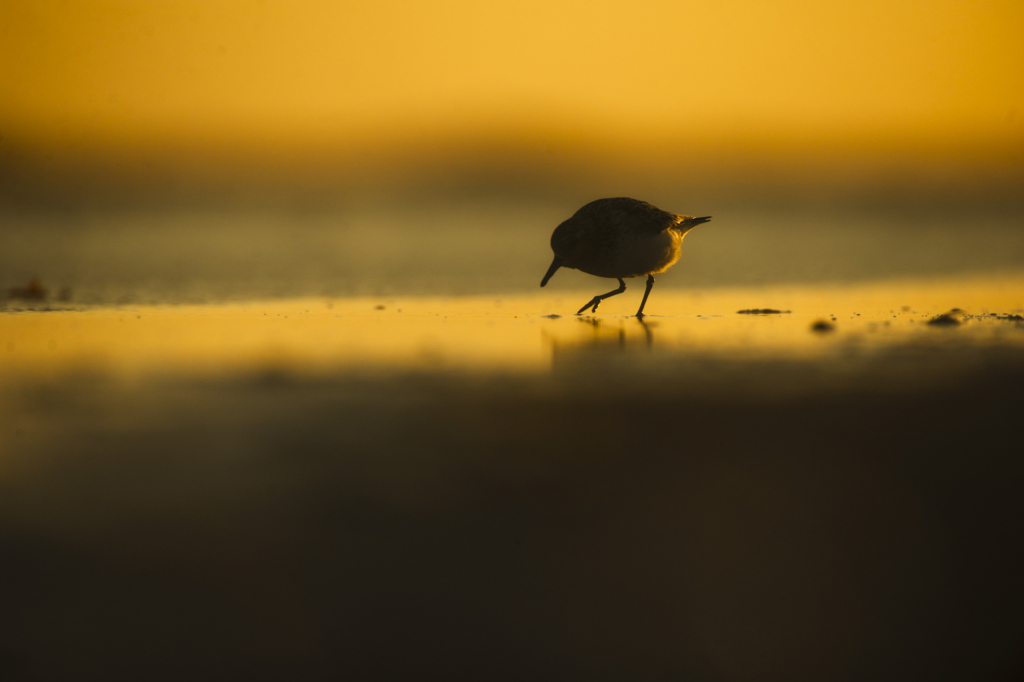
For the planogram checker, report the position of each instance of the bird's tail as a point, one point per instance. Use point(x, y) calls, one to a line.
point(555, 264)
point(688, 222)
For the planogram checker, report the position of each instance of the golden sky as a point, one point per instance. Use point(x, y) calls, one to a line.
point(301, 75)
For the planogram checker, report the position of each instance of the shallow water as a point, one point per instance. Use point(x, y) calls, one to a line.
point(310, 336)
point(470, 247)
point(497, 488)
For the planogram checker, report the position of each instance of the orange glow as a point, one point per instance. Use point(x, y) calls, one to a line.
point(265, 73)
point(513, 334)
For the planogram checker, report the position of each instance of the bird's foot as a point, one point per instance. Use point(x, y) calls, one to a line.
point(593, 303)
point(640, 315)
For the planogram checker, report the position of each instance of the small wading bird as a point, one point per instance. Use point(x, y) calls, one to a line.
point(620, 238)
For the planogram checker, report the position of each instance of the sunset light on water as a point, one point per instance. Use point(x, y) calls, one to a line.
point(496, 334)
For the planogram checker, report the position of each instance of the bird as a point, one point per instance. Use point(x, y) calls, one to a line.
point(619, 238)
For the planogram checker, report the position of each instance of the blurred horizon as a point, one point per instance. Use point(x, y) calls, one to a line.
point(520, 164)
point(113, 102)
point(198, 152)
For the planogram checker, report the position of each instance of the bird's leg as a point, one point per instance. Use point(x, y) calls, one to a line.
point(596, 301)
point(650, 285)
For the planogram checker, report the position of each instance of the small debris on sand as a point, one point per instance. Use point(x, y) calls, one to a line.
point(950, 319)
point(552, 316)
point(822, 326)
point(33, 291)
point(762, 311)
point(379, 307)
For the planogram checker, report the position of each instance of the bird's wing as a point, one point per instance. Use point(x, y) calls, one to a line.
point(629, 215)
point(602, 225)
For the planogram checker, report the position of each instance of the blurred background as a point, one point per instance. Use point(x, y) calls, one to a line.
point(194, 151)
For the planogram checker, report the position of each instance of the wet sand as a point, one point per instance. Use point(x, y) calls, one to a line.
point(494, 488)
point(503, 334)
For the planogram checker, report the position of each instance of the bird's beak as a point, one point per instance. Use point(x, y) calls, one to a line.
point(555, 264)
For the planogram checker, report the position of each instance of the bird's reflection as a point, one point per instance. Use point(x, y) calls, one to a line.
point(647, 331)
point(603, 331)
point(604, 337)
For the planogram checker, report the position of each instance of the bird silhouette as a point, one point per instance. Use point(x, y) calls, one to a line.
point(619, 238)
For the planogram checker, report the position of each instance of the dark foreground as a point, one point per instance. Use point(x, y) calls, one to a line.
point(574, 526)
